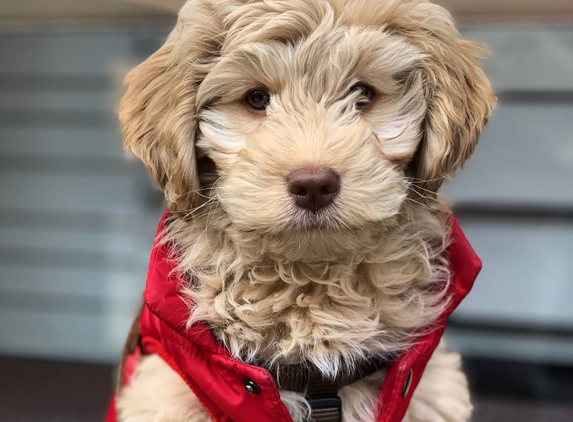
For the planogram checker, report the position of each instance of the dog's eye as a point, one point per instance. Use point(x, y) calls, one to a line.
point(258, 100)
point(365, 96)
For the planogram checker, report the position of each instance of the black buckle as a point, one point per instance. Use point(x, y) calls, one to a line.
point(325, 402)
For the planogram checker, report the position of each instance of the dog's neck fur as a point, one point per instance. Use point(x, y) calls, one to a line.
point(382, 284)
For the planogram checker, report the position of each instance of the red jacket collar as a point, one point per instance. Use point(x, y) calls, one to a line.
point(218, 379)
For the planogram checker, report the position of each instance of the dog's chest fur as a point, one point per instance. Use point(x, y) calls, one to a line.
point(330, 313)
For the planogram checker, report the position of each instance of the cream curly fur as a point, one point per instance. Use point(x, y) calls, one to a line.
point(158, 394)
point(442, 395)
point(277, 284)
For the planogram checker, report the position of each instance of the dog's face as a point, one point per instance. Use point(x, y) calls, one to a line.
point(312, 116)
point(315, 133)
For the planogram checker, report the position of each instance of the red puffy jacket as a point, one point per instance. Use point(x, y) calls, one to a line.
point(218, 379)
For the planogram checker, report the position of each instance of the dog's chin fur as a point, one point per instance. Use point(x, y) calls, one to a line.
point(278, 284)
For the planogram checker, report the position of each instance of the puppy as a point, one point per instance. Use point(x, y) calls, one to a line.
point(300, 145)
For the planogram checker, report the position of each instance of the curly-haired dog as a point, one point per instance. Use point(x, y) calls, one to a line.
point(300, 145)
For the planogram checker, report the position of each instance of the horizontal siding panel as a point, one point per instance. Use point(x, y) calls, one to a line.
point(61, 336)
point(74, 282)
point(102, 242)
point(501, 346)
point(37, 81)
point(527, 272)
point(79, 193)
point(66, 165)
point(525, 158)
point(61, 142)
point(73, 53)
point(58, 101)
point(36, 257)
point(140, 224)
point(528, 57)
point(42, 118)
point(64, 304)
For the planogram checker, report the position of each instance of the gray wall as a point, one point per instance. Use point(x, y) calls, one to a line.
point(76, 221)
point(515, 200)
point(77, 218)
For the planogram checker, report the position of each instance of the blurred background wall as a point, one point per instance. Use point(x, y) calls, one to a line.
point(77, 217)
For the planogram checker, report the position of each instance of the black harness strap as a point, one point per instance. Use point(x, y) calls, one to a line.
point(322, 393)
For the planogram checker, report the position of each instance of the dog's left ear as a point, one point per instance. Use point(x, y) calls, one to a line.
point(459, 100)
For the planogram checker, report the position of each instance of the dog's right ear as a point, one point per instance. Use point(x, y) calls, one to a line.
point(157, 117)
point(158, 111)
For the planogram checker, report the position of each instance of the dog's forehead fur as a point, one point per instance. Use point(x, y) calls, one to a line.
point(323, 58)
point(332, 42)
point(323, 66)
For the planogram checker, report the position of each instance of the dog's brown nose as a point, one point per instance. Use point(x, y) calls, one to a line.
point(313, 189)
